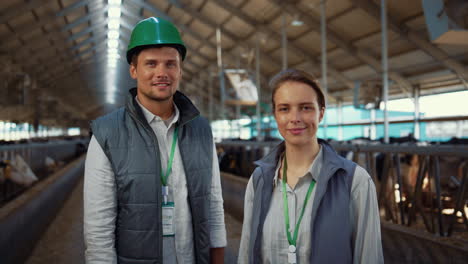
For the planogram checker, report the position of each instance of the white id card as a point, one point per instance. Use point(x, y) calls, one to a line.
point(292, 258)
point(168, 219)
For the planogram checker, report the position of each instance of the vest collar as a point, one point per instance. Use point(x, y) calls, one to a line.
point(187, 111)
point(271, 159)
point(331, 160)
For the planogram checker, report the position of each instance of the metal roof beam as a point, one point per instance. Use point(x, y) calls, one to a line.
point(84, 19)
point(410, 35)
point(18, 10)
point(237, 42)
point(30, 27)
point(94, 39)
point(87, 30)
point(186, 29)
point(72, 7)
point(49, 20)
point(351, 49)
point(303, 53)
point(54, 61)
point(99, 25)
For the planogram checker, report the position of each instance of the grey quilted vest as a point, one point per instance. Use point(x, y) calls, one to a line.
point(132, 148)
point(330, 223)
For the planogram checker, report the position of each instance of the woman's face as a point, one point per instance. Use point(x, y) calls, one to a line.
point(297, 112)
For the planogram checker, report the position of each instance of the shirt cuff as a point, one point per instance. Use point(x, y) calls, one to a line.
point(218, 237)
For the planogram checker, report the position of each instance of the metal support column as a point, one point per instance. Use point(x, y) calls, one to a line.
point(201, 106)
point(323, 33)
point(436, 168)
point(383, 14)
point(417, 128)
point(373, 128)
point(284, 41)
point(221, 73)
point(459, 133)
point(210, 91)
point(238, 117)
point(258, 84)
point(340, 119)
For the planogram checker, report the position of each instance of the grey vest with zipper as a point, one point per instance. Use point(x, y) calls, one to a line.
point(132, 149)
point(330, 222)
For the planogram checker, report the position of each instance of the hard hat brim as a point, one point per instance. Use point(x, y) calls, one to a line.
point(136, 50)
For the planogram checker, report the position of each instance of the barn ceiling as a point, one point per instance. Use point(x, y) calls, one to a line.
point(56, 65)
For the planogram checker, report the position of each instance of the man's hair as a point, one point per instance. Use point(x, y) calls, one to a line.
point(136, 51)
point(294, 75)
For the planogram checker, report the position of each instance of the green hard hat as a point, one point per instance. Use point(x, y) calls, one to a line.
point(155, 31)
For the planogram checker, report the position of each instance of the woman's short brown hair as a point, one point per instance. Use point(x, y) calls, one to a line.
point(295, 75)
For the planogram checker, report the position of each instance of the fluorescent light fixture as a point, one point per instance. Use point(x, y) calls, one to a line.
point(114, 23)
point(113, 34)
point(114, 11)
point(114, 56)
point(112, 43)
point(297, 23)
point(112, 51)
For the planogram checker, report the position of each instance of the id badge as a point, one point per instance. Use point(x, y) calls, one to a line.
point(168, 219)
point(292, 258)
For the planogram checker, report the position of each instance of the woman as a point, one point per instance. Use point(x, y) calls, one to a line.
point(304, 203)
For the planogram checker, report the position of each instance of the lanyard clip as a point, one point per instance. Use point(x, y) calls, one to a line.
point(165, 193)
point(165, 190)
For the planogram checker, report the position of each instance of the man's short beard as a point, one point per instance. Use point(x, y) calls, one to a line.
point(159, 99)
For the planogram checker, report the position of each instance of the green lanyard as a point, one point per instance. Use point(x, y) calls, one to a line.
point(164, 176)
point(293, 240)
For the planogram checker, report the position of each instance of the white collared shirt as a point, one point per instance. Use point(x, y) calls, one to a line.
point(100, 200)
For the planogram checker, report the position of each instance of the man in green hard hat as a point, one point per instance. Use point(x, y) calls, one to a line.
point(152, 191)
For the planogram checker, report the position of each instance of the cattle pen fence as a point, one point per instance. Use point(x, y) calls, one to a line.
point(35, 155)
point(424, 187)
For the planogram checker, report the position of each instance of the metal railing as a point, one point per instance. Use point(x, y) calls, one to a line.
point(34, 155)
point(416, 185)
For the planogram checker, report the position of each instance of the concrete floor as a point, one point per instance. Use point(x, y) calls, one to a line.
point(62, 242)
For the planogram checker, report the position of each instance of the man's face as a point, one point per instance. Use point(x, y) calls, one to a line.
point(158, 73)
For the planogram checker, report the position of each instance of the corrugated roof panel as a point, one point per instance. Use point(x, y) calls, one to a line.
point(239, 28)
point(215, 13)
point(354, 24)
